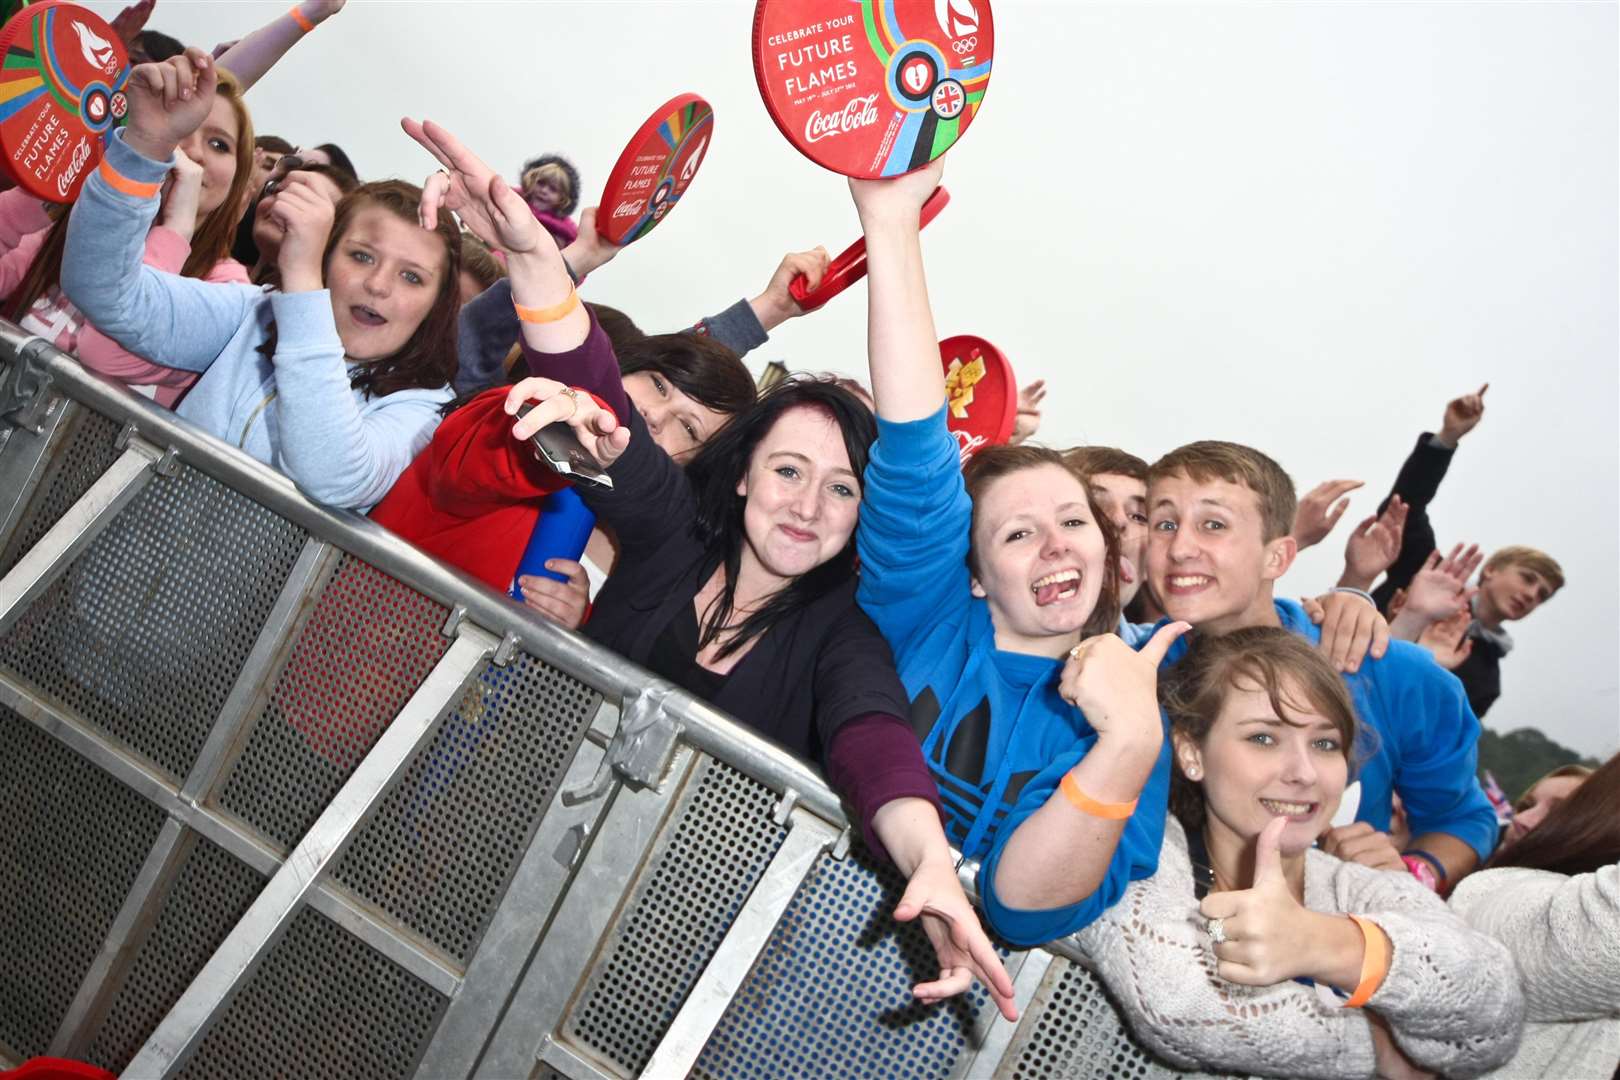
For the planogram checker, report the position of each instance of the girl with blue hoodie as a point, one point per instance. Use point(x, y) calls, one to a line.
point(337, 378)
point(998, 591)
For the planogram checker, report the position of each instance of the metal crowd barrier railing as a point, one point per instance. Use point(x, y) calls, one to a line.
point(282, 796)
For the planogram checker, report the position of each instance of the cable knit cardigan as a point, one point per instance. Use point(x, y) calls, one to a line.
point(1564, 934)
point(1451, 997)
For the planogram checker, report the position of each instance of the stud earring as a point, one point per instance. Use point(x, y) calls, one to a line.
point(1194, 773)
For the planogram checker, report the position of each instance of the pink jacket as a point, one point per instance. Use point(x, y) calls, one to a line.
point(23, 226)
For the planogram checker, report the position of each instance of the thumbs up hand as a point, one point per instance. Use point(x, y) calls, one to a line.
point(1265, 936)
point(1116, 687)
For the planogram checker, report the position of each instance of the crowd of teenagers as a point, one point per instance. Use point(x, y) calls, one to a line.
point(1262, 818)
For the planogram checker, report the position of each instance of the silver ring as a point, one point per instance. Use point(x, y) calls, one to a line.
point(1217, 930)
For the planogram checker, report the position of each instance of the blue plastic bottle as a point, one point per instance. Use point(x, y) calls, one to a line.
point(561, 533)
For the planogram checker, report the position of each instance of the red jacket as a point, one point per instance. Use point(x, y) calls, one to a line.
point(472, 497)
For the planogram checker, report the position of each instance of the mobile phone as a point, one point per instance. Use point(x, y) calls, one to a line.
point(558, 446)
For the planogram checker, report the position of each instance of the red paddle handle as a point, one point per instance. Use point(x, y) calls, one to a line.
point(850, 265)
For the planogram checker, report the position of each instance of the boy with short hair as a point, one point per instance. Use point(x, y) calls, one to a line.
point(1118, 482)
point(1513, 582)
point(1219, 520)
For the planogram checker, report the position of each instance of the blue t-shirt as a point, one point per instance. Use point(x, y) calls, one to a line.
point(995, 733)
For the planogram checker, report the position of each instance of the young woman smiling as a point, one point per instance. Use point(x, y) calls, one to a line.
point(191, 238)
point(1249, 950)
point(338, 378)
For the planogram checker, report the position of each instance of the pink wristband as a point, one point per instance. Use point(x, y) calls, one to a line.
point(1419, 868)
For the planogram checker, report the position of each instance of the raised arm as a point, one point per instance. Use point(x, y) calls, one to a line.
point(250, 58)
point(901, 344)
point(185, 321)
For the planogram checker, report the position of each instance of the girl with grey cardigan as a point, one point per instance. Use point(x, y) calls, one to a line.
point(1318, 967)
point(1552, 896)
point(337, 378)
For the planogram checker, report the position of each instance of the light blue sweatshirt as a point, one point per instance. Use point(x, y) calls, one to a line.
point(297, 411)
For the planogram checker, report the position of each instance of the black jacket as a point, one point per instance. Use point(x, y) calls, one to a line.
point(803, 679)
point(1416, 484)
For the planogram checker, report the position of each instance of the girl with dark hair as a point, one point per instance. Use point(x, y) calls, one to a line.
point(1251, 951)
point(736, 576)
point(191, 238)
point(474, 497)
point(1552, 896)
point(998, 590)
point(337, 379)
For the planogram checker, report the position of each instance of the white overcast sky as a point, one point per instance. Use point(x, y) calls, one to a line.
point(1302, 226)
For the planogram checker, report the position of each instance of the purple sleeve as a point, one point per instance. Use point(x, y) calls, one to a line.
point(873, 760)
point(592, 366)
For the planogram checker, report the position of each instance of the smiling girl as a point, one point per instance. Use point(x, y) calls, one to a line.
point(337, 379)
point(192, 236)
point(1252, 951)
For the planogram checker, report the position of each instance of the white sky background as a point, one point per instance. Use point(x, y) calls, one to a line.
point(1300, 226)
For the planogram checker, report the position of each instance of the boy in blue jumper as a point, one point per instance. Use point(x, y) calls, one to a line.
point(1219, 539)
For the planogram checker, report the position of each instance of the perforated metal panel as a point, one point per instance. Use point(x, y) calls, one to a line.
point(86, 452)
point(209, 895)
point(687, 898)
point(447, 838)
point(72, 840)
point(1073, 1031)
point(367, 645)
point(831, 994)
point(144, 634)
point(321, 1005)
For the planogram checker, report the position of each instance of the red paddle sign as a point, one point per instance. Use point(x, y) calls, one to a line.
point(61, 92)
point(655, 169)
point(876, 88)
point(850, 265)
point(981, 395)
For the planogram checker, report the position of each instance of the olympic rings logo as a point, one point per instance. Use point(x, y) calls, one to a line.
point(965, 45)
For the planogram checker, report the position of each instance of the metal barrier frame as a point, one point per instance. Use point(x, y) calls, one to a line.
point(615, 795)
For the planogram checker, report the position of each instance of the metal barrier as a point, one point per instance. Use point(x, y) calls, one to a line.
point(283, 796)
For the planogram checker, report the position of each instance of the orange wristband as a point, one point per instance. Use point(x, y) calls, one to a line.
point(119, 182)
point(301, 19)
point(1112, 811)
point(547, 314)
point(1374, 962)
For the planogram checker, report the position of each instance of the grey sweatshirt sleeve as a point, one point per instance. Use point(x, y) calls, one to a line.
point(176, 321)
point(737, 328)
point(487, 331)
point(339, 453)
point(1563, 932)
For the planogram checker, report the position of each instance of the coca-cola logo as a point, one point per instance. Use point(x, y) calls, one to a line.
point(81, 154)
point(856, 114)
point(967, 445)
point(628, 208)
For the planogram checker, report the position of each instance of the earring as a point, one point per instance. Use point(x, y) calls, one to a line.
point(1194, 772)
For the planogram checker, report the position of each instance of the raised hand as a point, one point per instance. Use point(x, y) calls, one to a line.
point(597, 429)
point(1448, 640)
point(1440, 589)
point(776, 305)
point(1028, 420)
point(1117, 687)
point(934, 894)
point(591, 249)
point(483, 200)
point(304, 214)
point(897, 199)
point(1320, 510)
point(169, 101)
point(1373, 545)
point(183, 196)
point(1359, 842)
point(1462, 415)
point(563, 602)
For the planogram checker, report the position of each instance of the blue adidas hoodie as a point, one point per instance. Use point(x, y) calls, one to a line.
point(994, 731)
